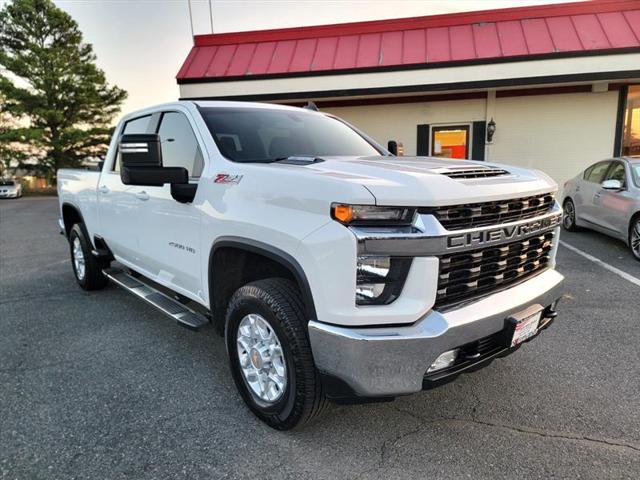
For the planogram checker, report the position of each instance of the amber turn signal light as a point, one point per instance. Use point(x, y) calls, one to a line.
point(342, 213)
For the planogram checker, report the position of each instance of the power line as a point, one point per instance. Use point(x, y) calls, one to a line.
point(211, 15)
point(190, 18)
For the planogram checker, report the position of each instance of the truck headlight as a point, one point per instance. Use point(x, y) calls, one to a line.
point(371, 215)
point(379, 280)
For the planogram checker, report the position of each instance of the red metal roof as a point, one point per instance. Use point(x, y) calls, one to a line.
point(483, 36)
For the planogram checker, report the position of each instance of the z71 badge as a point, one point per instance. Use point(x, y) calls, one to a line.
point(227, 178)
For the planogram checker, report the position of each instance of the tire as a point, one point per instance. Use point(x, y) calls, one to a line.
point(569, 216)
point(298, 398)
point(86, 268)
point(634, 237)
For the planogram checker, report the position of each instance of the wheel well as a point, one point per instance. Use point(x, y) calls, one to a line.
point(231, 267)
point(70, 216)
point(566, 200)
point(634, 217)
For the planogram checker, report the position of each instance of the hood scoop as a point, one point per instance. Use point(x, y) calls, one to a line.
point(466, 172)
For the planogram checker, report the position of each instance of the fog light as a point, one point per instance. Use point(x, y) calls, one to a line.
point(445, 360)
point(369, 291)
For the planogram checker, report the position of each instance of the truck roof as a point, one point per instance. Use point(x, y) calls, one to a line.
point(206, 103)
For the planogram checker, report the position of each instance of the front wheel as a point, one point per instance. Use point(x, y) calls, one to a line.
point(270, 354)
point(569, 217)
point(634, 237)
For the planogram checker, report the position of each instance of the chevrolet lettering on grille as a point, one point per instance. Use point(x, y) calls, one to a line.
point(500, 234)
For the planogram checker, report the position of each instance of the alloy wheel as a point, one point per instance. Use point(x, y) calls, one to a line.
point(569, 218)
point(261, 358)
point(635, 239)
point(78, 259)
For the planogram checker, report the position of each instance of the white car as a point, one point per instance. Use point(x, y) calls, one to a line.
point(334, 269)
point(9, 188)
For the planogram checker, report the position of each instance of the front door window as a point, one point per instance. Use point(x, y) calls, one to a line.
point(450, 141)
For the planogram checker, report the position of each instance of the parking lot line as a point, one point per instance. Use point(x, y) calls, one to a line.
point(620, 273)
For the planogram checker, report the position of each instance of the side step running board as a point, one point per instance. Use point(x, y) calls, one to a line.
point(167, 305)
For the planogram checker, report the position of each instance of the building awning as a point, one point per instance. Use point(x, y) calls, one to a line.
point(490, 36)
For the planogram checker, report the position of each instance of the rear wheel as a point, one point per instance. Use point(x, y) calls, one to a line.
point(634, 237)
point(569, 217)
point(270, 354)
point(86, 268)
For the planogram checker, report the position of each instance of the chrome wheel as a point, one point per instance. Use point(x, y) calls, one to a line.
point(78, 259)
point(635, 239)
point(261, 358)
point(569, 218)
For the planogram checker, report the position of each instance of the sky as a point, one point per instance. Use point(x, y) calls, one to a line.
point(141, 44)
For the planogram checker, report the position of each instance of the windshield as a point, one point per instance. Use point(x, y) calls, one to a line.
point(262, 135)
point(7, 183)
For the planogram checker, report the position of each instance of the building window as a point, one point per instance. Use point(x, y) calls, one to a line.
point(450, 141)
point(631, 128)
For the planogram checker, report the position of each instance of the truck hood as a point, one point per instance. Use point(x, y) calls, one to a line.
point(428, 181)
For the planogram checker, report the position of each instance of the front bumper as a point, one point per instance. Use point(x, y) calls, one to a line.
point(390, 361)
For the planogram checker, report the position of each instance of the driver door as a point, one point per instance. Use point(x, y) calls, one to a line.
point(612, 207)
point(169, 231)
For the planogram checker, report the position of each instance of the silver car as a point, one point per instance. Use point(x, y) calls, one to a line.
point(606, 197)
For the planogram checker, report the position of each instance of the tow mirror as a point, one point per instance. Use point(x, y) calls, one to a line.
point(612, 185)
point(396, 148)
point(141, 150)
point(141, 157)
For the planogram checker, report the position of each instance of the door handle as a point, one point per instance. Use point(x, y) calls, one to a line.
point(142, 195)
point(597, 195)
point(104, 189)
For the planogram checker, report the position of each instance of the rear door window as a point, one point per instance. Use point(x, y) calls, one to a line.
point(137, 125)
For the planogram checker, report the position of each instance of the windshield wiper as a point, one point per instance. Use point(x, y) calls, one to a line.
point(291, 160)
point(296, 160)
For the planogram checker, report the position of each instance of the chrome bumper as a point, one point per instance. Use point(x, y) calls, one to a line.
point(390, 361)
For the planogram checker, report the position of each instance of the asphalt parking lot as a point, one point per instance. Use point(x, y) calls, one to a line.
point(99, 385)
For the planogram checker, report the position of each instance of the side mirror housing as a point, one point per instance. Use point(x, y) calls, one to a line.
point(140, 150)
point(141, 156)
point(396, 148)
point(153, 176)
point(612, 185)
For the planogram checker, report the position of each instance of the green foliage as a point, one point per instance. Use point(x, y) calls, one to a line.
point(56, 106)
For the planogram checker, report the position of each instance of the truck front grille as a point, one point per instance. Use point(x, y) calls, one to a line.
point(475, 273)
point(472, 215)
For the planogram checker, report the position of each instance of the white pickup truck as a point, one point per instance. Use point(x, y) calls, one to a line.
point(333, 268)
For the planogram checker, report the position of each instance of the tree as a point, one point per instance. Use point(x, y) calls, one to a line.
point(59, 102)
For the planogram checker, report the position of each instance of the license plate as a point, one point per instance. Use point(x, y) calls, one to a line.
point(525, 327)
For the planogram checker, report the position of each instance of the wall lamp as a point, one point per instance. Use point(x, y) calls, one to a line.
point(491, 129)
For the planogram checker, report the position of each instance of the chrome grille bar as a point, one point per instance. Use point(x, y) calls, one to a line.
point(468, 275)
point(471, 215)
